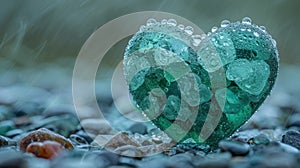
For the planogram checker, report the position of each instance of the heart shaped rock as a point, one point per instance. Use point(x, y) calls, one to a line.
point(200, 88)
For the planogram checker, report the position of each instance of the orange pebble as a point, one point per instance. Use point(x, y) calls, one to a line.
point(42, 135)
point(46, 149)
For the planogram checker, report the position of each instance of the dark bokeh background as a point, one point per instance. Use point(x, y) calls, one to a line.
point(32, 31)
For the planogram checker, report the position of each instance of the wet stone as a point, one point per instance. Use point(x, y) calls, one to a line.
point(11, 158)
point(13, 133)
point(96, 126)
point(3, 141)
point(139, 128)
point(260, 139)
point(292, 138)
point(84, 135)
point(42, 135)
point(6, 126)
point(232, 70)
point(235, 148)
point(102, 158)
point(120, 139)
point(76, 139)
point(46, 149)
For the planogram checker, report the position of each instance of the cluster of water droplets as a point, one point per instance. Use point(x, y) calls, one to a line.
point(243, 50)
point(170, 26)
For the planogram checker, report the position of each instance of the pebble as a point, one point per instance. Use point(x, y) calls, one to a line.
point(6, 126)
point(85, 136)
point(3, 141)
point(12, 159)
point(292, 138)
point(76, 139)
point(13, 133)
point(102, 158)
point(96, 126)
point(101, 140)
point(120, 139)
point(260, 139)
point(234, 147)
point(42, 135)
point(46, 149)
point(129, 151)
point(212, 163)
point(139, 128)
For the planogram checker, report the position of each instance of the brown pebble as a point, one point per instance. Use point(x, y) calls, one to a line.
point(120, 139)
point(46, 149)
point(42, 135)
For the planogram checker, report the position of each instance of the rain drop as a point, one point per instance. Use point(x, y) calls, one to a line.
point(181, 27)
point(214, 29)
point(263, 28)
point(203, 36)
point(273, 42)
point(246, 20)
point(196, 40)
point(142, 28)
point(151, 22)
point(255, 34)
point(225, 23)
point(164, 21)
point(189, 30)
point(172, 22)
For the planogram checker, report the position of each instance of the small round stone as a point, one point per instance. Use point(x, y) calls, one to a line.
point(234, 147)
point(139, 128)
point(292, 138)
point(46, 149)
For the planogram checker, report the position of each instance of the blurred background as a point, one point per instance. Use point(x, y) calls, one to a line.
point(40, 40)
point(39, 30)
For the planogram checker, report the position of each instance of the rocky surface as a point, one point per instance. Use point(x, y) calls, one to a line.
point(39, 128)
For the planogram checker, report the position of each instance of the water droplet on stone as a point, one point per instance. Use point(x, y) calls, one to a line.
point(246, 20)
point(189, 30)
point(172, 22)
point(142, 28)
point(164, 21)
point(151, 22)
point(263, 28)
point(273, 42)
point(214, 29)
point(181, 27)
point(196, 39)
point(225, 23)
point(255, 34)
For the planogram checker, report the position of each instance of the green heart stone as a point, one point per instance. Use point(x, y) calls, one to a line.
point(200, 88)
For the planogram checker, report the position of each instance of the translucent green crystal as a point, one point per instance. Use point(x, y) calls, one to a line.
point(170, 74)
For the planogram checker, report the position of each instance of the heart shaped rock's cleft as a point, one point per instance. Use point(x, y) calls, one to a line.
point(200, 88)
